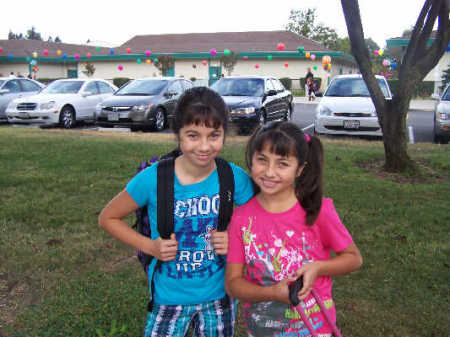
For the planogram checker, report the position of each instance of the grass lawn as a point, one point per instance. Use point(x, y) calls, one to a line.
point(62, 275)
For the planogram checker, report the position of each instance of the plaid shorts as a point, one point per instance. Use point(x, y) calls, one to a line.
point(210, 319)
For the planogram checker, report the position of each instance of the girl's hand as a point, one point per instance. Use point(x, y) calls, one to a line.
point(281, 290)
point(310, 271)
point(219, 241)
point(165, 250)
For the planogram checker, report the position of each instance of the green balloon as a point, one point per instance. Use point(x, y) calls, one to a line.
point(300, 49)
point(28, 59)
point(97, 48)
point(315, 67)
point(269, 57)
point(138, 61)
point(155, 60)
point(226, 52)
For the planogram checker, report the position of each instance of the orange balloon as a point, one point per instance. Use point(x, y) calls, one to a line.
point(148, 61)
point(307, 54)
point(58, 52)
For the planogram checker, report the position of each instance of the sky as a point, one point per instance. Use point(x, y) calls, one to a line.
point(112, 23)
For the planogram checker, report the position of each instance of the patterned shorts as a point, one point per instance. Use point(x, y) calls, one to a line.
point(210, 319)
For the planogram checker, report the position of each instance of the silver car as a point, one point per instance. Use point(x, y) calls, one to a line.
point(15, 87)
point(441, 129)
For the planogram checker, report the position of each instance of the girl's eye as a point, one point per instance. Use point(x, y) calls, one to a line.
point(284, 164)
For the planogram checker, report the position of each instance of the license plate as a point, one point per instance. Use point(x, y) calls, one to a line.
point(113, 116)
point(352, 124)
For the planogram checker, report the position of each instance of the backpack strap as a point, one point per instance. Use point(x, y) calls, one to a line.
point(165, 196)
point(226, 182)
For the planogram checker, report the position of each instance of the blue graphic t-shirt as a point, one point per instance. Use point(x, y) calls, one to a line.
point(197, 274)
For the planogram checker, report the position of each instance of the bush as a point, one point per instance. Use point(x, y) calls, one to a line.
point(119, 81)
point(287, 82)
point(317, 82)
point(424, 89)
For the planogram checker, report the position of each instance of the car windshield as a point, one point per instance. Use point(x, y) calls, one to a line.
point(63, 87)
point(142, 88)
point(353, 87)
point(446, 95)
point(239, 87)
point(1, 82)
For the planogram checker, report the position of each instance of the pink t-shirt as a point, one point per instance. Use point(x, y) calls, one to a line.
point(273, 246)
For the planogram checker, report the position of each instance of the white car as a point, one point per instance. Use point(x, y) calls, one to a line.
point(62, 102)
point(441, 129)
point(346, 107)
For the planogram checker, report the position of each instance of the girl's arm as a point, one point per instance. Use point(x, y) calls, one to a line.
point(111, 219)
point(237, 287)
point(344, 262)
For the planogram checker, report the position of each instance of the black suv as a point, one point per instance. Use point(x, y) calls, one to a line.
point(142, 104)
point(254, 100)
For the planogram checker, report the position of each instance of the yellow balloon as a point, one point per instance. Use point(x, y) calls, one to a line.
point(58, 52)
point(35, 54)
point(380, 52)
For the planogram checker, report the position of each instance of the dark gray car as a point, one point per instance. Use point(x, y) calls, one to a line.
point(146, 103)
point(15, 87)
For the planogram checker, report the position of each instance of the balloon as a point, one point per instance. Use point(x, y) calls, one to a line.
point(45, 52)
point(308, 54)
point(77, 57)
point(448, 48)
point(128, 50)
point(28, 59)
point(286, 64)
point(120, 67)
point(376, 52)
point(35, 55)
point(226, 52)
point(245, 57)
point(300, 49)
point(155, 60)
point(148, 61)
point(10, 56)
point(315, 67)
point(1, 50)
point(88, 55)
point(327, 67)
point(380, 52)
point(148, 53)
point(269, 57)
point(280, 46)
point(313, 57)
point(213, 52)
point(64, 56)
point(385, 62)
point(58, 52)
point(256, 66)
point(204, 62)
point(97, 48)
point(111, 51)
point(138, 61)
point(393, 65)
point(326, 59)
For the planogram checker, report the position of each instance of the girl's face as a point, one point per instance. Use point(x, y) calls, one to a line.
point(274, 174)
point(200, 144)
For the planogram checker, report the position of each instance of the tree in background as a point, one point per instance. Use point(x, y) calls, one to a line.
point(57, 39)
point(445, 78)
point(13, 36)
point(32, 34)
point(89, 69)
point(165, 62)
point(303, 23)
point(229, 61)
point(418, 61)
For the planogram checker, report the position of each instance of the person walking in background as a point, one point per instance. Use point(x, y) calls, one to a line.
point(285, 232)
point(309, 74)
point(189, 287)
point(311, 89)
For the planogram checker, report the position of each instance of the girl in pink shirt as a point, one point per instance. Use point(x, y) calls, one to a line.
point(286, 231)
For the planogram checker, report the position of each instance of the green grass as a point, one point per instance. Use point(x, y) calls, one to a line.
point(61, 275)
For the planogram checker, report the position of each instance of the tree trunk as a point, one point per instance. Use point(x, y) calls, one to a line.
point(395, 137)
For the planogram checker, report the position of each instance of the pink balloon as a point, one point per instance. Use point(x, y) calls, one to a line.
point(148, 53)
point(286, 64)
point(45, 52)
point(204, 62)
point(1, 50)
point(256, 66)
point(77, 57)
point(88, 55)
point(213, 52)
point(120, 67)
point(128, 50)
point(313, 57)
point(245, 57)
point(280, 46)
point(376, 52)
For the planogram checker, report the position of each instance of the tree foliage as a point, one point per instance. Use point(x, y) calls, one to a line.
point(417, 62)
point(31, 34)
point(303, 23)
point(165, 62)
point(229, 61)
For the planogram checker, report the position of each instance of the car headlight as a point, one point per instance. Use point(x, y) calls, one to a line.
point(443, 115)
point(47, 106)
point(323, 110)
point(142, 107)
point(11, 106)
point(246, 110)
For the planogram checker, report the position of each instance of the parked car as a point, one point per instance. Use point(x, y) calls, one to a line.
point(16, 87)
point(63, 102)
point(254, 100)
point(441, 128)
point(346, 107)
point(142, 103)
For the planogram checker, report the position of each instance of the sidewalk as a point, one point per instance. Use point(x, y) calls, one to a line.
point(415, 104)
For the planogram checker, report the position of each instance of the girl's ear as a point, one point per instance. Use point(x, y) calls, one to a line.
point(300, 169)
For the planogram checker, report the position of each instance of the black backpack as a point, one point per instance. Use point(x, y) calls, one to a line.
point(165, 197)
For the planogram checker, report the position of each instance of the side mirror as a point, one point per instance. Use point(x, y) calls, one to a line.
point(433, 96)
point(271, 93)
point(86, 93)
point(4, 91)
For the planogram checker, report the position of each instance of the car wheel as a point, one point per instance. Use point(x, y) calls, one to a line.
point(160, 119)
point(67, 118)
point(288, 115)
